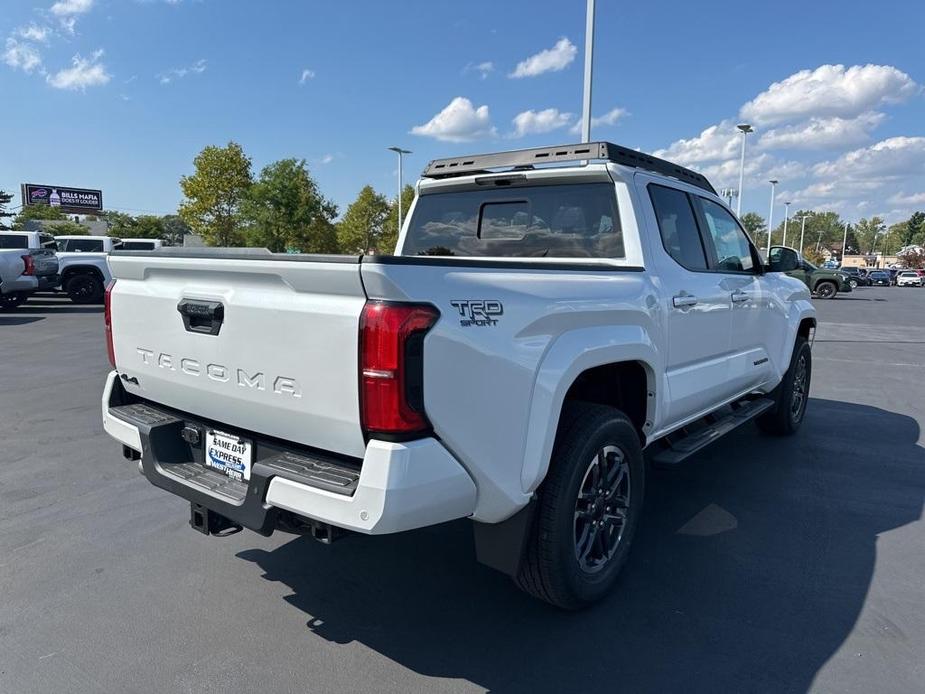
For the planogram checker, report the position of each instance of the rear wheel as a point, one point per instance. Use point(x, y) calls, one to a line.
point(12, 300)
point(826, 290)
point(588, 508)
point(853, 283)
point(792, 395)
point(85, 288)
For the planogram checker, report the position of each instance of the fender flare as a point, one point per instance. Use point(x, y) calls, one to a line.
point(565, 359)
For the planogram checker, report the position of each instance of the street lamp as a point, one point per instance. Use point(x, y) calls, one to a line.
point(786, 220)
point(803, 230)
point(773, 183)
point(745, 129)
point(401, 152)
point(844, 244)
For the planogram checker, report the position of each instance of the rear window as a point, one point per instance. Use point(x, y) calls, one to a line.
point(137, 246)
point(557, 221)
point(13, 241)
point(81, 245)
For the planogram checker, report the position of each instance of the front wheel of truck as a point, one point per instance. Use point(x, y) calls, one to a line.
point(588, 508)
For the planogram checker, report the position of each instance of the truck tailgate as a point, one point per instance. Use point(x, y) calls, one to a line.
point(261, 343)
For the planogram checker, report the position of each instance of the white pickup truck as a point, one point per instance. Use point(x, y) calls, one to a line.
point(83, 265)
point(552, 319)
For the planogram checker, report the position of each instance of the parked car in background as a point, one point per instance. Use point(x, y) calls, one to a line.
point(83, 267)
point(141, 244)
point(823, 283)
point(17, 278)
point(908, 278)
point(857, 277)
point(880, 278)
point(41, 246)
point(537, 329)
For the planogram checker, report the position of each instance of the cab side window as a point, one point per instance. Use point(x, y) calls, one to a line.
point(733, 251)
point(678, 226)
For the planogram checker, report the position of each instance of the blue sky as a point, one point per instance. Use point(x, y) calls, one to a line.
point(121, 94)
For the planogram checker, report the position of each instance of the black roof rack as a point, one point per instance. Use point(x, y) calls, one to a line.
point(526, 158)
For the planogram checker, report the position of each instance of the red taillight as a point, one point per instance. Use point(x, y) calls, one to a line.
point(29, 263)
point(391, 367)
point(107, 319)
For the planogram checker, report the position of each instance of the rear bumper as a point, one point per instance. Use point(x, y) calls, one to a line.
point(23, 283)
point(46, 282)
point(395, 487)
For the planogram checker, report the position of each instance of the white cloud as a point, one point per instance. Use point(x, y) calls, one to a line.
point(460, 121)
point(306, 75)
point(908, 200)
point(169, 76)
point(830, 90)
point(484, 69)
point(718, 142)
point(65, 8)
point(22, 56)
point(895, 156)
point(549, 60)
point(34, 32)
point(327, 159)
point(823, 133)
point(607, 119)
point(84, 72)
point(537, 122)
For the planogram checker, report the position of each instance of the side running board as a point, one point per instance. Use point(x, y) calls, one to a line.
point(678, 449)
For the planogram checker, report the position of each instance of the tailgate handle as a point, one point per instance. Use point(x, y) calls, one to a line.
point(204, 317)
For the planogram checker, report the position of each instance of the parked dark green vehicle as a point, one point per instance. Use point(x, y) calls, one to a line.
point(825, 284)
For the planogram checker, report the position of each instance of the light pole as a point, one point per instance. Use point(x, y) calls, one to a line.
point(786, 220)
point(745, 129)
point(844, 244)
point(773, 183)
point(589, 54)
point(803, 230)
point(401, 152)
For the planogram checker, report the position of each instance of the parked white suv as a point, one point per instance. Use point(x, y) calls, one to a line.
point(540, 332)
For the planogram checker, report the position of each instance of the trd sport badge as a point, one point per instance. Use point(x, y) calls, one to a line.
point(478, 312)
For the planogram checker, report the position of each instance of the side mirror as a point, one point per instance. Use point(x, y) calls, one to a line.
point(783, 259)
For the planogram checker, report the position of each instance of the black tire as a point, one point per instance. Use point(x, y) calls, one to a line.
point(564, 564)
point(792, 394)
point(826, 290)
point(85, 288)
point(12, 300)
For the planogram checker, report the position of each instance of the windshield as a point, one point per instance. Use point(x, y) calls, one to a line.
point(557, 221)
point(13, 241)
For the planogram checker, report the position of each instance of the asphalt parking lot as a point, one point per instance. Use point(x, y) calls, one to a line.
point(770, 565)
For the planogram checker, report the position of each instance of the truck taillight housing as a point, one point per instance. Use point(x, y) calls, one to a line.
point(392, 368)
point(29, 265)
point(107, 319)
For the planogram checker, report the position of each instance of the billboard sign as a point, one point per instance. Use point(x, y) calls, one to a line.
point(70, 200)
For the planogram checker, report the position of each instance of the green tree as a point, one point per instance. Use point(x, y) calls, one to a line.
point(66, 228)
point(753, 223)
point(5, 199)
point(214, 193)
point(38, 212)
point(867, 233)
point(119, 224)
point(147, 226)
point(361, 228)
point(174, 229)
point(389, 237)
point(285, 210)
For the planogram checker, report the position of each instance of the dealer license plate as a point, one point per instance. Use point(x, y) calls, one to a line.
point(229, 454)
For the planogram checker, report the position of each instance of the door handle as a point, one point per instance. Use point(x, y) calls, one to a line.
point(682, 301)
point(204, 317)
point(739, 296)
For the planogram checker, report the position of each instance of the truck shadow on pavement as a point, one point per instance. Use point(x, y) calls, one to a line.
point(749, 571)
point(58, 305)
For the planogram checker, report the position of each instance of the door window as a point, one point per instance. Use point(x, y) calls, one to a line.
point(678, 226)
point(733, 251)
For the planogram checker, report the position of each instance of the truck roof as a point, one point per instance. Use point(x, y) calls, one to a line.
point(529, 159)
